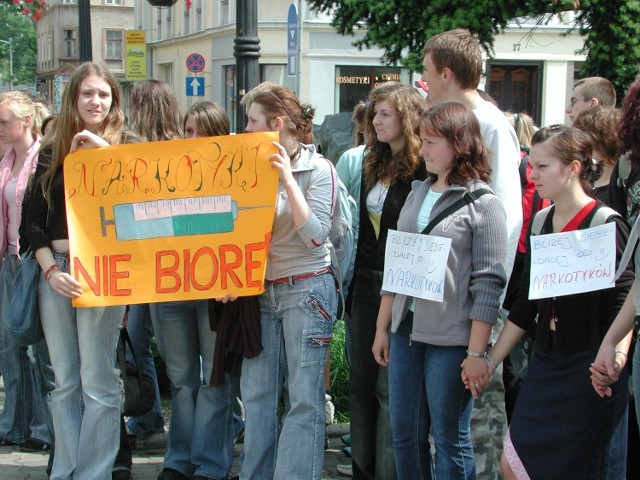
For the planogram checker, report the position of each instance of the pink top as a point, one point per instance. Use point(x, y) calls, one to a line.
point(21, 185)
point(9, 196)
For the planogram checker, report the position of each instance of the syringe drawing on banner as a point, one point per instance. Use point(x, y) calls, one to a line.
point(173, 217)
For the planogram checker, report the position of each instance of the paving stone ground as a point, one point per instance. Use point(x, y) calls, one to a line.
point(16, 465)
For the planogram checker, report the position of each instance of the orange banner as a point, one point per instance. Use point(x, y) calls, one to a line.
point(166, 221)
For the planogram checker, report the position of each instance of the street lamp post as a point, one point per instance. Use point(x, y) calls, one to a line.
point(10, 62)
point(84, 29)
point(247, 51)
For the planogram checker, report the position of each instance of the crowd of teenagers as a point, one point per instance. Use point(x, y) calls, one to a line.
point(484, 383)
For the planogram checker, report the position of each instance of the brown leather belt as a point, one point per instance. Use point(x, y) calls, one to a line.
point(302, 276)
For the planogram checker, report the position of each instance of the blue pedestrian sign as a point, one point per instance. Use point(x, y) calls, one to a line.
point(292, 41)
point(195, 86)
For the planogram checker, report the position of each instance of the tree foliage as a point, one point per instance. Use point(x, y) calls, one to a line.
point(21, 31)
point(401, 27)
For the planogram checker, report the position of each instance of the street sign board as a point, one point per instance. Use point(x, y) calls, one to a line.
point(135, 55)
point(195, 63)
point(292, 41)
point(195, 86)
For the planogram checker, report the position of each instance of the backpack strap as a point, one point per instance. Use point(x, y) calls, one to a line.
point(467, 198)
point(601, 216)
point(538, 220)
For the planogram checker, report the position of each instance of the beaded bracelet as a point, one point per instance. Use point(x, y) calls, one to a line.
point(50, 271)
point(620, 351)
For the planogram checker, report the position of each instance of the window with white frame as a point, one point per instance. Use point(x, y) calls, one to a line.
point(113, 2)
point(186, 22)
point(69, 2)
point(166, 73)
point(113, 44)
point(224, 12)
point(70, 43)
point(198, 15)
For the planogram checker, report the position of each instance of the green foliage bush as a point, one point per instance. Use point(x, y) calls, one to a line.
point(339, 375)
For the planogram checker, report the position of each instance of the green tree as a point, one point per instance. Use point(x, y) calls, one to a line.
point(21, 31)
point(401, 27)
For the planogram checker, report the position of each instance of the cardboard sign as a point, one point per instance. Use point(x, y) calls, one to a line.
point(168, 221)
point(573, 262)
point(415, 264)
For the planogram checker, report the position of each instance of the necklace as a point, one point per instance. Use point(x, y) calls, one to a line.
point(295, 152)
point(382, 193)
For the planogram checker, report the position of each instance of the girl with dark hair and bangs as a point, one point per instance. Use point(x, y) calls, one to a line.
point(560, 428)
point(430, 340)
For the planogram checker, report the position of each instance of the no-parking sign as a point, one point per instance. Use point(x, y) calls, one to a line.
point(195, 63)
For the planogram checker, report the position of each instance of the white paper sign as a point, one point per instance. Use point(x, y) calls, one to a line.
point(415, 264)
point(573, 262)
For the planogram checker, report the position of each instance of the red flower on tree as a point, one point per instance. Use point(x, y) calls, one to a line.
point(32, 9)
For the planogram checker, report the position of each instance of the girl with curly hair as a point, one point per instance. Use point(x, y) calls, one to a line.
point(390, 164)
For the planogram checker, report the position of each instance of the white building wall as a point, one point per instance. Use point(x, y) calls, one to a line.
point(323, 50)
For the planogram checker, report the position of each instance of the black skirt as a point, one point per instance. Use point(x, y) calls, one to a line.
point(560, 427)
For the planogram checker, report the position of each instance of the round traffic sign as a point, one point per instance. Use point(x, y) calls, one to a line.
point(195, 63)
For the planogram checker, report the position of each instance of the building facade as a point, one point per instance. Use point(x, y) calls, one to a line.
point(532, 69)
point(57, 34)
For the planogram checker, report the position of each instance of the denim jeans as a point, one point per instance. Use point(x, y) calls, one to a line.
point(140, 330)
point(371, 444)
point(41, 426)
point(85, 403)
point(200, 440)
point(297, 320)
point(448, 410)
point(15, 366)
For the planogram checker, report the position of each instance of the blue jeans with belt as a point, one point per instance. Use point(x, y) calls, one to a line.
point(200, 440)
point(297, 320)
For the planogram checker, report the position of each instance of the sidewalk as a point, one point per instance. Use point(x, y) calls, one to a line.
point(16, 465)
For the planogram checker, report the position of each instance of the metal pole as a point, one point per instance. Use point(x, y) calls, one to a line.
point(84, 29)
point(299, 53)
point(247, 52)
point(10, 43)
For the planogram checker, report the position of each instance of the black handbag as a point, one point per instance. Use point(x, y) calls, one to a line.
point(138, 389)
point(23, 319)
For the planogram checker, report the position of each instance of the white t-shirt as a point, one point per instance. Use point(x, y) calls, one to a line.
point(505, 178)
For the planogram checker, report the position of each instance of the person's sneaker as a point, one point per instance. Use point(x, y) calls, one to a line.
point(347, 451)
point(329, 409)
point(346, 470)
point(154, 443)
point(33, 446)
point(171, 474)
point(346, 439)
